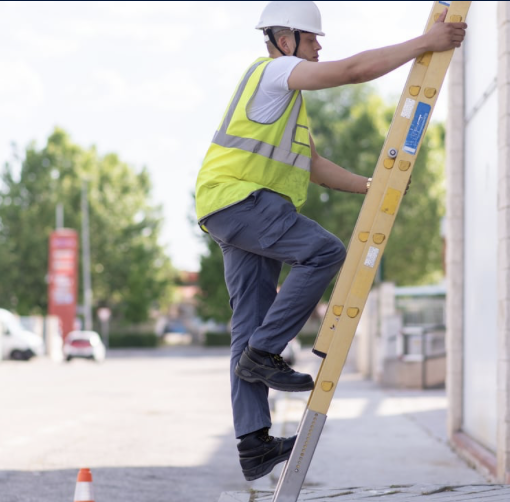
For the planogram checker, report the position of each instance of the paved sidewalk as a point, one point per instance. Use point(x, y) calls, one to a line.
point(430, 493)
point(381, 444)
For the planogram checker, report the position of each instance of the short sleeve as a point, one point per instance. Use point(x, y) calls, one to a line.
point(273, 94)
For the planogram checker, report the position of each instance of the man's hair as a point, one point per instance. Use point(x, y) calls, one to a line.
point(278, 31)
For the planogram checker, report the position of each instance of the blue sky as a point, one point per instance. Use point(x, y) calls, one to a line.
point(150, 80)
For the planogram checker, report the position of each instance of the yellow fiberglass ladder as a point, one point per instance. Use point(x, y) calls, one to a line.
point(375, 221)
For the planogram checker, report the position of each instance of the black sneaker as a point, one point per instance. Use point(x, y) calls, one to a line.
point(259, 453)
point(270, 369)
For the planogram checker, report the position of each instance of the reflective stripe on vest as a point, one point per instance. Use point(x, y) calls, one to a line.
point(280, 153)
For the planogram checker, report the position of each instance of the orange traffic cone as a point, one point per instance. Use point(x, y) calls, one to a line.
point(84, 491)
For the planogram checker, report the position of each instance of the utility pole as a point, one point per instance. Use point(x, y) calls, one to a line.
point(59, 216)
point(85, 243)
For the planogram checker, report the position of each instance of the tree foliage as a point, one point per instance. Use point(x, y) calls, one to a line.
point(130, 270)
point(349, 125)
point(213, 300)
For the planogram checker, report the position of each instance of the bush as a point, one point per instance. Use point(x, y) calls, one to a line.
point(307, 339)
point(222, 339)
point(217, 339)
point(132, 340)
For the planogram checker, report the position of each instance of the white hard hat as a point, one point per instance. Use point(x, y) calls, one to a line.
point(301, 16)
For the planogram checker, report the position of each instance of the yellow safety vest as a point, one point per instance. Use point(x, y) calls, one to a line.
point(246, 156)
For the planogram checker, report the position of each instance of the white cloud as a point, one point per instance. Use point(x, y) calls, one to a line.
point(145, 8)
point(229, 67)
point(103, 89)
point(157, 150)
point(42, 44)
point(218, 20)
point(167, 37)
point(21, 90)
point(175, 91)
point(156, 26)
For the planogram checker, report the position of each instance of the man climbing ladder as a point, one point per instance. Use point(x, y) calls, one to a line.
point(250, 188)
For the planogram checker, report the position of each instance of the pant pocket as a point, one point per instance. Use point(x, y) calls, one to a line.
point(275, 231)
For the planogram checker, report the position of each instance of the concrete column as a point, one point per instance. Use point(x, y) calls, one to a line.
point(386, 317)
point(366, 335)
point(455, 243)
point(503, 381)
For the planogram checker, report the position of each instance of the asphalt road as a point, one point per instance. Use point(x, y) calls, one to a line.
point(153, 426)
point(156, 426)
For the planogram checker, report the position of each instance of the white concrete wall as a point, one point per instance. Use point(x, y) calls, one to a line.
point(478, 252)
point(503, 361)
point(480, 226)
point(455, 244)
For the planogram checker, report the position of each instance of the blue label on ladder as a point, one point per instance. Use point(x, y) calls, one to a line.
point(445, 3)
point(417, 127)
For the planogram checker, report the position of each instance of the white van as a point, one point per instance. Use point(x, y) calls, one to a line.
point(16, 341)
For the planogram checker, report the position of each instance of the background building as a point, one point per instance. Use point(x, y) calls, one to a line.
point(478, 241)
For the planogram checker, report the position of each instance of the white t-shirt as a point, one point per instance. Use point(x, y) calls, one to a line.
point(273, 94)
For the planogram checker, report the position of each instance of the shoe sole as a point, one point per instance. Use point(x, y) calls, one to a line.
point(263, 470)
point(248, 376)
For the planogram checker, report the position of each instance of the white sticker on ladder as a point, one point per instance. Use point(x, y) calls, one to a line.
point(372, 255)
point(407, 109)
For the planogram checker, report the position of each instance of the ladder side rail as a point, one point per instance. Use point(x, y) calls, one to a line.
point(380, 229)
point(366, 215)
point(416, 78)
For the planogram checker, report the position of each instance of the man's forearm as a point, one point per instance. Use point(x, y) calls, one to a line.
point(330, 175)
point(375, 63)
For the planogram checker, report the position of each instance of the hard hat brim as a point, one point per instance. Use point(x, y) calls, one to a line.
point(295, 28)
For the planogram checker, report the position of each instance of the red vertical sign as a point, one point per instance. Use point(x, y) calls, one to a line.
point(63, 277)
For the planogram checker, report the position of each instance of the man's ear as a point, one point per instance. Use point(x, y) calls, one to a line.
point(284, 44)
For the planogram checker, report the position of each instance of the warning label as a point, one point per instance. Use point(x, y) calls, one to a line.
point(417, 127)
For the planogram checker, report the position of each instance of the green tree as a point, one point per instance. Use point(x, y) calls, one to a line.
point(130, 270)
point(413, 254)
point(213, 300)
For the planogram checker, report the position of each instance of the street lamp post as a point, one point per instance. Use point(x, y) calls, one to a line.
point(104, 314)
point(87, 283)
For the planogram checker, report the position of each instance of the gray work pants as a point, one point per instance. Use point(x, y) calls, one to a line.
point(257, 236)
